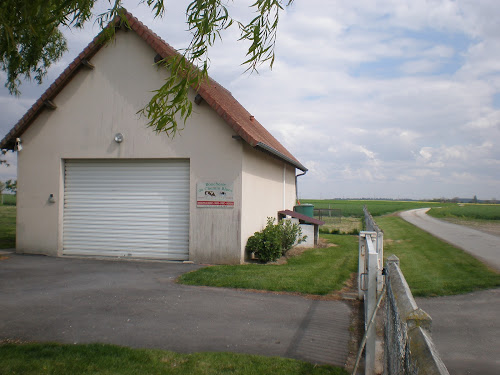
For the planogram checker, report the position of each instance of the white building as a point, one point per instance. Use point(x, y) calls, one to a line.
point(94, 180)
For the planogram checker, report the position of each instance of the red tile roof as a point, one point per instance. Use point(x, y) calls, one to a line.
point(220, 99)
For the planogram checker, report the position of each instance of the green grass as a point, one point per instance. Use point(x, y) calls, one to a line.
point(431, 266)
point(55, 359)
point(8, 200)
point(468, 211)
point(7, 227)
point(316, 271)
point(354, 208)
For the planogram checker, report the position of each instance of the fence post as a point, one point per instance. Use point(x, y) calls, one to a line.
point(380, 252)
point(361, 264)
point(370, 302)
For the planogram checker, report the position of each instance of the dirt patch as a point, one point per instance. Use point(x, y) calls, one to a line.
point(486, 226)
point(322, 243)
point(342, 225)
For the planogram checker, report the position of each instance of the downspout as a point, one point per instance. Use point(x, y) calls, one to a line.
point(284, 186)
point(297, 186)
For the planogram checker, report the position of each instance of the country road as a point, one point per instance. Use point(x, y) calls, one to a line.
point(484, 246)
point(465, 328)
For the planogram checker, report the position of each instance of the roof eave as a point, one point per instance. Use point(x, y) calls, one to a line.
point(279, 155)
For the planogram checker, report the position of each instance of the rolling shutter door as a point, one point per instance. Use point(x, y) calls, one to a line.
point(127, 208)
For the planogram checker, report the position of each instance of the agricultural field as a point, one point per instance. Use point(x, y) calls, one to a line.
point(8, 200)
point(354, 208)
point(483, 217)
point(7, 227)
point(468, 211)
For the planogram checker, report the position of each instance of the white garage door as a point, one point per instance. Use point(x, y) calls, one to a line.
point(127, 208)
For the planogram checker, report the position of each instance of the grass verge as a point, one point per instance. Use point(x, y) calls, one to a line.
point(433, 267)
point(54, 359)
point(316, 271)
point(7, 227)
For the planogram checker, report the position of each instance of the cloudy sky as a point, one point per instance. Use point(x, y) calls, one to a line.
point(389, 98)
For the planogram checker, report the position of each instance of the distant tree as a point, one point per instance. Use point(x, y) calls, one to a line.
point(31, 41)
point(11, 185)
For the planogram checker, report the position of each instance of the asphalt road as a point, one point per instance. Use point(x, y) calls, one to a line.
point(483, 246)
point(138, 304)
point(465, 328)
point(466, 331)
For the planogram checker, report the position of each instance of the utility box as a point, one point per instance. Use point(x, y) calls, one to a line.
point(305, 209)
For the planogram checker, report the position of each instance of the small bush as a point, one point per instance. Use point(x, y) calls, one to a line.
point(274, 240)
point(290, 233)
point(266, 244)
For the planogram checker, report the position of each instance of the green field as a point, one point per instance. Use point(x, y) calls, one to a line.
point(354, 208)
point(56, 359)
point(433, 267)
point(468, 211)
point(8, 199)
point(7, 227)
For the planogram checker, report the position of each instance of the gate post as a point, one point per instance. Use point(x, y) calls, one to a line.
point(371, 302)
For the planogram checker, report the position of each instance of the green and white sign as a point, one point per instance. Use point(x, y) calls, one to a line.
point(214, 194)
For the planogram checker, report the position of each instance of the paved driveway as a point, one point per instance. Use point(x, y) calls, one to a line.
point(138, 304)
point(465, 328)
point(466, 331)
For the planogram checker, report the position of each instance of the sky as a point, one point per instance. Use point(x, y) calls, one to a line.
point(378, 99)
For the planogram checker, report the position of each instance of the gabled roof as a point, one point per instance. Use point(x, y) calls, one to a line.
point(220, 99)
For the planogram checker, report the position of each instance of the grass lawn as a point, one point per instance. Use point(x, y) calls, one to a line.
point(316, 271)
point(468, 211)
point(431, 266)
point(55, 359)
point(7, 227)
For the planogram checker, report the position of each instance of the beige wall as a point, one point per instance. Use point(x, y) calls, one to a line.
point(268, 187)
point(99, 103)
point(94, 106)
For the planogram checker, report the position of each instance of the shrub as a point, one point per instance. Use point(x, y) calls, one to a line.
point(290, 233)
point(274, 240)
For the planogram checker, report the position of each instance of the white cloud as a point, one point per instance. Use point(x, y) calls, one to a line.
point(393, 98)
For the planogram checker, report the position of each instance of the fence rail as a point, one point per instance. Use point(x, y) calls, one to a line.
point(334, 213)
point(408, 346)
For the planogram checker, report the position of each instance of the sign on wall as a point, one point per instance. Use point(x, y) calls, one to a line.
point(214, 194)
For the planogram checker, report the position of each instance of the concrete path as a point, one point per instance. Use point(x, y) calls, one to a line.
point(483, 246)
point(466, 331)
point(465, 328)
point(138, 304)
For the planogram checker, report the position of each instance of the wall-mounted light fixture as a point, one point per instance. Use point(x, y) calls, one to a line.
point(118, 137)
point(52, 199)
point(18, 147)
